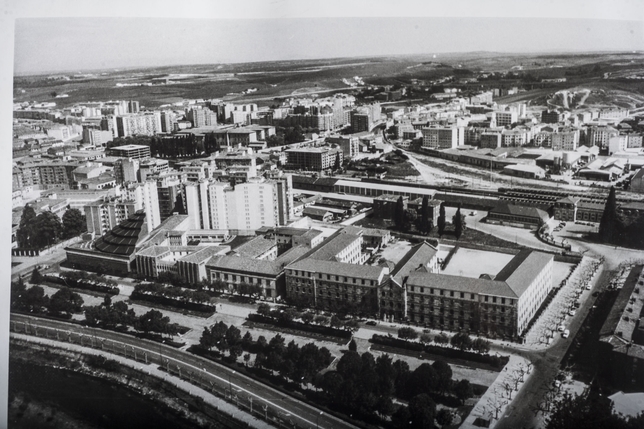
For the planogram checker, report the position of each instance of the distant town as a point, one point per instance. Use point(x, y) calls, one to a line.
point(429, 253)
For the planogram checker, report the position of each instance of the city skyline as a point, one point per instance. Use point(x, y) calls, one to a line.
point(40, 43)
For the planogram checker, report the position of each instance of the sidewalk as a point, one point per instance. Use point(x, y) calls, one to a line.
point(500, 394)
point(151, 369)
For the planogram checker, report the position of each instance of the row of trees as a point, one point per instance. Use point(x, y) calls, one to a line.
point(290, 314)
point(63, 303)
point(367, 386)
point(460, 341)
point(408, 219)
point(46, 229)
point(289, 361)
point(120, 316)
point(173, 292)
point(619, 229)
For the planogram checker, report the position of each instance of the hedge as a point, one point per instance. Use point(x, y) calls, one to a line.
point(316, 329)
point(498, 362)
point(79, 284)
point(163, 300)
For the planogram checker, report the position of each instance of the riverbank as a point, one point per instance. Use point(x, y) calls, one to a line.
point(56, 388)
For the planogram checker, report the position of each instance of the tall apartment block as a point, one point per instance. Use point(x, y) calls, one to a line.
point(442, 137)
point(246, 206)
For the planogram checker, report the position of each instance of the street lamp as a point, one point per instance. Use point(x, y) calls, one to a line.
point(230, 386)
point(317, 421)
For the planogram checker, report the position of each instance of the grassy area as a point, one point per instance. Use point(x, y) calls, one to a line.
point(402, 169)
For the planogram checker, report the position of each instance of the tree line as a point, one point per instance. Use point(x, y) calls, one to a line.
point(408, 220)
point(365, 386)
point(63, 304)
point(46, 229)
point(620, 229)
point(291, 362)
point(119, 316)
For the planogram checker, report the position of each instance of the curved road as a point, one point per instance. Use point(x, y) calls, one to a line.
point(178, 362)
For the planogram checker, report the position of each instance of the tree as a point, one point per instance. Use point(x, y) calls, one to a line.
point(399, 212)
point(152, 321)
point(308, 317)
point(264, 309)
point(424, 216)
point(178, 204)
point(425, 338)
point(65, 301)
point(47, 228)
point(463, 390)
point(608, 226)
point(422, 410)
point(424, 379)
point(353, 347)
point(444, 375)
point(441, 220)
point(233, 335)
point(74, 223)
point(409, 219)
point(33, 300)
point(235, 351)
point(480, 345)
point(458, 221)
point(26, 232)
point(461, 341)
point(588, 411)
point(444, 417)
point(36, 277)
point(407, 333)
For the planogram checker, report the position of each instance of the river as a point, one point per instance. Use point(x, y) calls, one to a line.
point(63, 398)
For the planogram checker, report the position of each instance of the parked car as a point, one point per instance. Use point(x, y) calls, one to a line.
point(566, 333)
point(372, 323)
point(561, 328)
point(572, 312)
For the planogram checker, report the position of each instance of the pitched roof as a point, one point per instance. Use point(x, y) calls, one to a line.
point(204, 254)
point(418, 256)
point(460, 284)
point(243, 264)
point(506, 208)
point(255, 247)
point(512, 281)
point(569, 200)
point(338, 268)
point(523, 269)
point(333, 245)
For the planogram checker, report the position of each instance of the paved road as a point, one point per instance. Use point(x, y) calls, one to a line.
point(546, 365)
point(182, 363)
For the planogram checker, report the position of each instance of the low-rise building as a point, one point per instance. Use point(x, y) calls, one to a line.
point(515, 215)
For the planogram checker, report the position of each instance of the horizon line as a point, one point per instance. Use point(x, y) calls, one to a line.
point(132, 68)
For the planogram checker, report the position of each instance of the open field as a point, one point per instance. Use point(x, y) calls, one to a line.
point(162, 85)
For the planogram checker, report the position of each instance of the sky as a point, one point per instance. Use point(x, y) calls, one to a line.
point(279, 30)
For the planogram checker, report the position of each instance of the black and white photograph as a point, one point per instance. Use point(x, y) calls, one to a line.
point(322, 214)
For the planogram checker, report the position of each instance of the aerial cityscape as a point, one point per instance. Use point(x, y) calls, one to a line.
point(430, 240)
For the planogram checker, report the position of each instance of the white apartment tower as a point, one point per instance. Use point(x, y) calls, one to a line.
point(145, 197)
point(246, 206)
